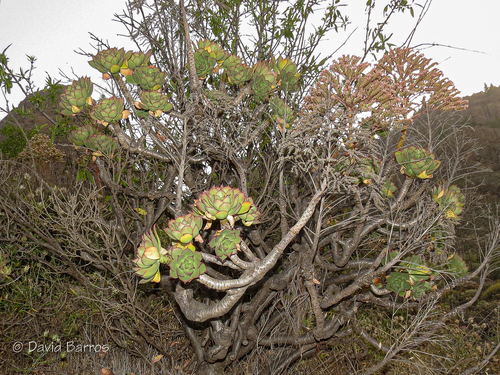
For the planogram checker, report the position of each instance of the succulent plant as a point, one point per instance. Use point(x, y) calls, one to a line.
point(184, 228)
point(219, 203)
point(457, 265)
point(226, 242)
point(366, 169)
point(288, 76)
point(417, 162)
point(108, 110)
point(388, 189)
point(136, 59)
point(149, 256)
point(149, 78)
point(251, 216)
point(281, 112)
point(418, 290)
point(264, 80)
point(101, 143)
point(204, 62)
point(237, 72)
point(81, 134)
point(214, 49)
point(398, 282)
point(186, 264)
point(109, 60)
point(76, 96)
point(450, 200)
point(154, 102)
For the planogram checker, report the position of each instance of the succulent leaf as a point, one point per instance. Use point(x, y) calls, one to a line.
point(251, 216)
point(264, 81)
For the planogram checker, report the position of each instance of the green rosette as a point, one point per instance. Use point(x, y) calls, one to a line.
point(76, 96)
point(102, 143)
point(136, 59)
point(149, 256)
point(226, 243)
point(281, 112)
point(388, 189)
point(219, 203)
point(80, 135)
point(149, 78)
point(204, 62)
point(264, 81)
point(417, 162)
point(186, 264)
point(109, 61)
point(237, 72)
point(399, 282)
point(108, 111)
point(288, 76)
point(457, 266)
point(251, 216)
point(184, 228)
point(154, 102)
point(450, 200)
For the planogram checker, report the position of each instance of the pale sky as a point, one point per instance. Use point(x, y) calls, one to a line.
point(52, 30)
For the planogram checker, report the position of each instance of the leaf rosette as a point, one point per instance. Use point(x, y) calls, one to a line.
point(264, 81)
point(204, 62)
point(237, 72)
point(417, 162)
point(281, 112)
point(450, 200)
point(149, 256)
point(226, 243)
point(219, 203)
point(102, 143)
point(399, 283)
point(82, 134)
point(457, 265)
point(109, 60)
point(251, 216)
point(149, 78)
point(108, 111)
point(388, 189)
point(154, 102)
point(184, 228)
point(76, 96)
point(136, 59)
point(288, 76)
point(186, 264)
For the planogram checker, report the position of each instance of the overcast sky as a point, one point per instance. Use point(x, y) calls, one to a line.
point(52, 30)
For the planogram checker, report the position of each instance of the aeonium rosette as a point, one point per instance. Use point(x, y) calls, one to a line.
point(184, 228)
point(251, 216)
point(226, 242)
point(222, 203)
point(186, 263)
point(149, 256)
